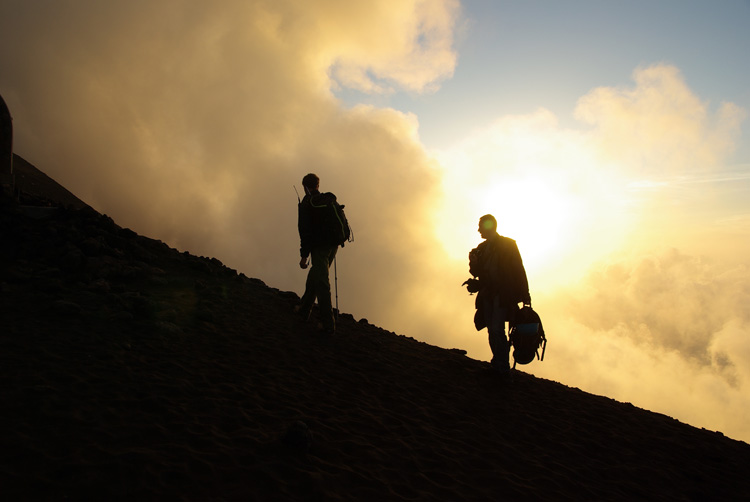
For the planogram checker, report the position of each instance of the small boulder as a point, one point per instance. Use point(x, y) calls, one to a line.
point(298, 437)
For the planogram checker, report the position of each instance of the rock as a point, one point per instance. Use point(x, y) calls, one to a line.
point(67, 308)
point(122, 316)
point(298, 437)
point(100, 286)
point(103, 267)
point(168, 327)
point(91, 247)
point(72, 259)
point(140, 306)
point(204, 314)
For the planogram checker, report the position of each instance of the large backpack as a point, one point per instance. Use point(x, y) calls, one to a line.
point(331, 219)
point(527, 336)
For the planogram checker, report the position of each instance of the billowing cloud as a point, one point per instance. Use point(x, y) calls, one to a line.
point(410, 44)
point(668, 332)
point(660, 125)
point(672, 301)
point(191, 122)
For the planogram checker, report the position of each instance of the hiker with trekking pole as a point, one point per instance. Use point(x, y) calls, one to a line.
point(322, 229)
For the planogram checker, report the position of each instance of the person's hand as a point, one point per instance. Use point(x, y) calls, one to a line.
point(303, 263)
point(472, 285)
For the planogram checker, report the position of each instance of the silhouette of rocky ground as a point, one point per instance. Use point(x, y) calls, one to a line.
point(132, 371)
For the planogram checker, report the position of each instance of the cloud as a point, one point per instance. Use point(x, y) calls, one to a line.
point(667, 332)
point(190, 122)
point(411, 44)
point(660, 125)
point(673, 301)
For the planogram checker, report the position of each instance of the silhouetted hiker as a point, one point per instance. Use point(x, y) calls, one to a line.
point(500, 283)
point(320, 243)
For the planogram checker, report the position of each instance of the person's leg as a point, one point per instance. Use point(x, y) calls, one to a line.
point(321, 262)
point(308, 298)
point(495, 318)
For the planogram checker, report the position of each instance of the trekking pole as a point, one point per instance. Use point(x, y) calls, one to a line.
point(336, 286)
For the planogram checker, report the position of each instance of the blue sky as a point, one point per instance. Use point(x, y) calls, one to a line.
point(516, 56)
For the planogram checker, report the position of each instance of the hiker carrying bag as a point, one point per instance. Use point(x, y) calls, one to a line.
point(331, 219)
point(527, 336)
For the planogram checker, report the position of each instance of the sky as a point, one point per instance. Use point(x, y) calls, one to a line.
point(610, 140)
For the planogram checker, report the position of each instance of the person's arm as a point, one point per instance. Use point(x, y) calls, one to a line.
point(305, 228)
point(474, 260)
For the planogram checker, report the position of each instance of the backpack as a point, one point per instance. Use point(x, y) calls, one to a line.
point(527, 336)
point(331, 220)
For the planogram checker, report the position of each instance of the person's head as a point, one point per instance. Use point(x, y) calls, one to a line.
point(310, 182)
point(487, 225)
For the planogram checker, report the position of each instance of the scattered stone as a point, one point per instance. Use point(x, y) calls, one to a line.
point(204, 315)
point(67, 308)
point(100, 286)
point(122, 316)
point(298, 437)
point(72, 259)
point(91, 247)
point(158, 280)
point(168, 327)
point(140, 306)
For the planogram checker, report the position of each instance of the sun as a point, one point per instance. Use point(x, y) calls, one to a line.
point(539, 214)
point(551, 190)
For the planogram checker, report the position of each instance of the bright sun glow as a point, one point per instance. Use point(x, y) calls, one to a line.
point(549, 190)
point(535, 214)
point(550, 221)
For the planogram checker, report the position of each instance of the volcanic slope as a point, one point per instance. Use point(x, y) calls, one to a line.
point(133, 371)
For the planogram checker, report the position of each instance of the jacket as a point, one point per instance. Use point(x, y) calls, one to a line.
point(497, 264)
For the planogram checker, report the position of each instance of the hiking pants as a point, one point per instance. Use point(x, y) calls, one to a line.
point(318, 285)
point(495, 315)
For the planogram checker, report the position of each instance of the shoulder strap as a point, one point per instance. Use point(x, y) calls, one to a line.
point(322, 199)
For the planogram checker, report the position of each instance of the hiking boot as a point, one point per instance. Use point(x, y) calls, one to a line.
point(500, 366)
point(504, 374)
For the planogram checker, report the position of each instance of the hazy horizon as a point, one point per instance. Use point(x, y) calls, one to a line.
point(618, 162)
